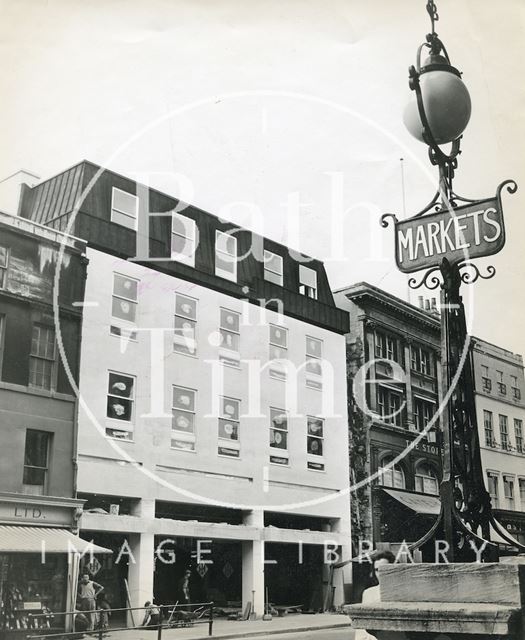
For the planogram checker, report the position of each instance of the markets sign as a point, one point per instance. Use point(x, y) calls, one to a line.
point(458, 234)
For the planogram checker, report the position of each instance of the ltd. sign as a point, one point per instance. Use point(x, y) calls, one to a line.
point(458, 234)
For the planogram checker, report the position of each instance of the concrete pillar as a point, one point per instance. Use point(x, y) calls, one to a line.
point(343, 576)
point(140, 573)
point(253, 566)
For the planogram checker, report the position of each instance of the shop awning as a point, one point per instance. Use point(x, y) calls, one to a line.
point(18, 539)
point(417, 502)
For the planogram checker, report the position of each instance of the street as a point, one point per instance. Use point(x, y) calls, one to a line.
point(317, 634)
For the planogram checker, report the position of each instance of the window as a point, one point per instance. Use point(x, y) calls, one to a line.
point(278, 436)
point(508, 490)
point(516, 392)
point(386, 346)
point(124, 306)
point(185, 325)
point(313, 368)
point(423, 413)
point(502, 388)
point(124, 208)
point(489, 428)
point(229, 427)
point(230, 338)
point(273, 268)
point(426, 480)
point(493, 488)
point(278, 351)
point(121, 396)
point(521, 483)
point(36, 462)
point(518, 434)
point(504, 432)
point(307, 282)
point(183, 421)
point(183, 239)
point(2, 340)
point(4, 265)
point(393, 477)
point(389, 406)
point(42, 357)
point(315, 443)
point(484, 371)
point(226, 256)
point(420, 360)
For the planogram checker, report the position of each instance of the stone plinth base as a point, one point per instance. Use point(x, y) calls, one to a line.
point(459, 600)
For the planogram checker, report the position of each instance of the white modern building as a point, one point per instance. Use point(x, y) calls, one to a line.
point(500, 407)
point(212, 432)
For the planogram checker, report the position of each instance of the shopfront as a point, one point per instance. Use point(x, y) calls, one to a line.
point(39, 560)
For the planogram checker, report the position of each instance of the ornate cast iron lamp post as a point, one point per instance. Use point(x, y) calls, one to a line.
point(443, 238)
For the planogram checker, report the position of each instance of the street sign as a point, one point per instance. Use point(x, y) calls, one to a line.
point(458, 234)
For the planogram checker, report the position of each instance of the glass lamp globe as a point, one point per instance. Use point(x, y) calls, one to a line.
point(446, 102)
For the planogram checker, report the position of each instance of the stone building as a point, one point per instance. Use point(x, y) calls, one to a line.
point(393, 352)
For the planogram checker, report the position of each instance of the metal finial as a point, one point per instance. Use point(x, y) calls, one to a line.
point(432, 12)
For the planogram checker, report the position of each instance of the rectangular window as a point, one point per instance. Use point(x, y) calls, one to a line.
point(278, 436)
point(389, 406)
point(493, 489)
point(315, 443)
point(226, 256)
point(278, 351)
point(516, 393)
point(521, 482)
point(504, 432)
point(124, 208)
point(484, 371)
point(518, 434)
point(273, 268)
point(124, 305)
point(4, 265)
point(423, 413)
point(183, 422)
point(313, 367)
point(307, 282)
point(42, 357)
point(120, 401)
point(2, 341)
point(508, 490)
point(185, 325)
point(36, 462)
point(486, 384)
point(386, 347)
point(420, 360)
point(183, 239)
point(489, 428)
point(229, 424)
point(230, 337)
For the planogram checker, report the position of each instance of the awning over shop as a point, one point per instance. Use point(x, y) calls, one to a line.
point(19, 539)
point(417, 502)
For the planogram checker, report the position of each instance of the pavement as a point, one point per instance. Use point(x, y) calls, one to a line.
point(225, 629)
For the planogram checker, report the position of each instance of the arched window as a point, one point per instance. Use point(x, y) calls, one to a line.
point(426, 479)
point(394, 476)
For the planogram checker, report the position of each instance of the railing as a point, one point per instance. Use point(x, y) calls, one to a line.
point(169, 617)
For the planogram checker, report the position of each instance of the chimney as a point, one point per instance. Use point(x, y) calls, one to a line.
point(420, 301)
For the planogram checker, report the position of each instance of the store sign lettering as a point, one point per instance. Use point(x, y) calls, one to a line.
point(472, 231)
point(41, 513)
point(432, 449)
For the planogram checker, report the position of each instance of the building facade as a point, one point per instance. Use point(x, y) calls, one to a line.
point(38, 504)
point(393, 353)
point(500, 407)
point(213, 432)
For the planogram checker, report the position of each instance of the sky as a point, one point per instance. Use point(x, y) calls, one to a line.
point(254, 110)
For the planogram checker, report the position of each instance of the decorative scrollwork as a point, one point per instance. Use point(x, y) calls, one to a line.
point(384, 219)
point(469, 277)
point(432, 12)
point(430, 280)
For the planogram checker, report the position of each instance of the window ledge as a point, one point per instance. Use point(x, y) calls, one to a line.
point(36, 391)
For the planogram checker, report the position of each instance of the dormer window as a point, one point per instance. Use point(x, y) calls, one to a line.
point(307, 282)
point(226, 256)
point(273, 268)
point(183, 239)
point(124, 208)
